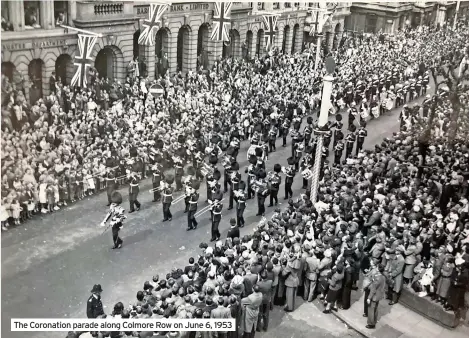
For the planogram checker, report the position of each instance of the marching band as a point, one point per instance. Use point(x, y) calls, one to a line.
point(259, 182)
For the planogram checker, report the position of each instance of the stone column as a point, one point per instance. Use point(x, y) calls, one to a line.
point(172, 51)
point(150, 57)
point(72, 12)
point(47, 19)
point(190, 54)
point(299, 38)
point(288, 39)
point(16, 11)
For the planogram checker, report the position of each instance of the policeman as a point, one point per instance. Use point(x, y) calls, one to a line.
point(240, 198)
point(274, 182)
point(193, 199)
point(167, 198)
point(94, 306)
point(262, 192)
point(338, 150)
point(156, 178)
point(134, 189)
point(290, 174)
point(361, 134)
point(216, 209)
point(350, 141)
point(234, 182)
point(111, 186)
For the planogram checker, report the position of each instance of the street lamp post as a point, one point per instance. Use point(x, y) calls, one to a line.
point(322, 121)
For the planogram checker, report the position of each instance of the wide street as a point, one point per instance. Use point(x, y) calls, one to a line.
point(50, 264)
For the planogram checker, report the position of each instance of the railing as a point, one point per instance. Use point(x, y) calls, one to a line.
point(108, 8)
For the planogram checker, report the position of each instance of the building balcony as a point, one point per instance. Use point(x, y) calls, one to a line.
point(93, 13)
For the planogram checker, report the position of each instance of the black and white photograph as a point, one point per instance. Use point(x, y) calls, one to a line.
point(268, 169)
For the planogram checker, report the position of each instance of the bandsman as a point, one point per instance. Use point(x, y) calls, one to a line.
point(251, 170)
point(178, 160)
point(157, 176)
point(227, 161)
point(361, 134)
point(117, 217)
point(167, 198)
point(111, 185)
point(262, 192)
point(272, 137)
point(337, 125)
point(307, 162)
point(188, 182)
point(240, 198)
point(235, 178)
point(350, 141)
point(134, 189)
point(216, 208)
point(274, 184)
point(338, 150)
point(210, 179)
point(193, 199)
point(290, 174)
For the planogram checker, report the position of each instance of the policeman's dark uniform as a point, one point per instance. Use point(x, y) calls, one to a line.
point(94, 307)
point(361, 134)
point(133, 193)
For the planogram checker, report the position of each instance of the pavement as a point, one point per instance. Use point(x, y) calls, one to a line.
point(394, 321)
point(50, 263)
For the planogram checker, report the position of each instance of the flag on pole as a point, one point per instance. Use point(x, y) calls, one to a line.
point(154, 16)
point(83, 60)
point(221, 21)
point(270, 25)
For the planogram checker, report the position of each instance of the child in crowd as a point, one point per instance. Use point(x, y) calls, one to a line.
point(50, 197)
point(4, 215)
point(16, 211)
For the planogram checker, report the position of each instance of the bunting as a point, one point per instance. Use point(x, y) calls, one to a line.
point(83, 60)
point(270, 27)
point(147, 36)
point(221, 21)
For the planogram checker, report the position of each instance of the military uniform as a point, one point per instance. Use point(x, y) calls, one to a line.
point(361, 134)
point(275, 182)
point(179, 172)
point(167, 199)
point(234, 183)
point(240, 198)
point(272, 138)
point(133, 193)
point(306, 163)
point(111, 185)
point(156, 181)
point(350, 139)
point(191, 221)
point(290, 174)
point(216, 216)
point(262, 192)
point(338, 150)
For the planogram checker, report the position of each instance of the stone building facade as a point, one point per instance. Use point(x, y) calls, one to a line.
point(37, 45)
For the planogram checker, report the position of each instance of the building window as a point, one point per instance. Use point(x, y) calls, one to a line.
point(287, 4)
point(61, 12)
point(7, 26)
point(276, 5)
point(260, 6)
point(250, 4)
point(31, 14)
point(296, 4)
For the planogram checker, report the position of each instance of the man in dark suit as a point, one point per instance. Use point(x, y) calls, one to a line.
point(94, 306)
point(265, 286)
point(234, 230)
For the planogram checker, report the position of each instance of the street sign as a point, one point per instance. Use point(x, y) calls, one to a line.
point(156, 90)
point(330, 65)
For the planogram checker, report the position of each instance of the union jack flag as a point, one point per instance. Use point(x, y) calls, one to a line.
point(83, 60)
point(221, 21)
point(270, 25)
point(154, 15)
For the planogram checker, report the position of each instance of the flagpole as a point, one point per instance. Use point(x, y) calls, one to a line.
point(99, 35)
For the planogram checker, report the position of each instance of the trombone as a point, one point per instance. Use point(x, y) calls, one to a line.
point(209, 206)
point(161, 187)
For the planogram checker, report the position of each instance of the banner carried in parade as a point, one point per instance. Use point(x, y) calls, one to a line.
point(221, 21)
point(83, 60)
point(147, 35)
point(270, 26)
